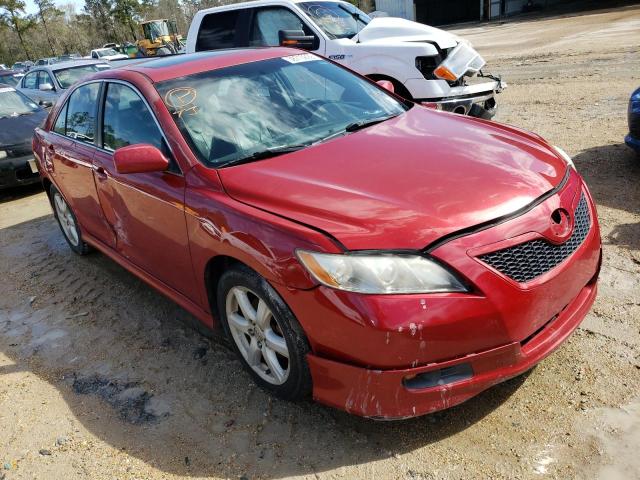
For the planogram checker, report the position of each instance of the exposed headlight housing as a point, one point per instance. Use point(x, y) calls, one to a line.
point(380, 273)
point(565, 156)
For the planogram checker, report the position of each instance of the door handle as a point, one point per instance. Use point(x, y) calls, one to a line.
point(101, 172)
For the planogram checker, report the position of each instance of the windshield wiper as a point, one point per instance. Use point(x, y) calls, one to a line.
point(263, 154)
point(355, 126)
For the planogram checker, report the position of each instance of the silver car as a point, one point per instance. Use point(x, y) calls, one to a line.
point(44, 85)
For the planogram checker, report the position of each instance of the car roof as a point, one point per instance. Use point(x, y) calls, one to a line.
point(68, 64)
point(175, 66)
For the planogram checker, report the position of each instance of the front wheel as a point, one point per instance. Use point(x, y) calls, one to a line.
point(264, 333)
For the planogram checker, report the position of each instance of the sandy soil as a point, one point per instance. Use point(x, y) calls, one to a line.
point(101, 377)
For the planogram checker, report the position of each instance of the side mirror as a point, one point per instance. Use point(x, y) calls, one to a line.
point(297, 39)
point(45, 87)
point(140, 158)
point(387, 85)
point(45, 103)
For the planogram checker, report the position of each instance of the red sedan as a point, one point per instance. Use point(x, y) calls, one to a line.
point(388, 259)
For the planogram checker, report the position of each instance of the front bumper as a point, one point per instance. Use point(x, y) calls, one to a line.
point(366, 347)
point(382, 394)
point(632, 142)
point(17, 171)
point(476, 100)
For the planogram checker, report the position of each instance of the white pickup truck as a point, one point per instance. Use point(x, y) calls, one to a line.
point(425, 64)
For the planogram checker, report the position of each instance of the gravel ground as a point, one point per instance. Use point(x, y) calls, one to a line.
point(102, 377)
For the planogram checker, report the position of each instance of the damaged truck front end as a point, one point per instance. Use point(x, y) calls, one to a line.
point(427, 65)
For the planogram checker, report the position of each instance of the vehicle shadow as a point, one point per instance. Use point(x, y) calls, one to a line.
point(612, 173)
point(15, 193)
point(138, 378)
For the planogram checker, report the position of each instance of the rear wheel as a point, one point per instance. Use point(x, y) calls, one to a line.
point(264, 333)
point(68, 223)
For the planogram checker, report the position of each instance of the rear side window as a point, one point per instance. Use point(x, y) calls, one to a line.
point(127, 121)
point(61, 121)
point(81, 113)
point(217, 30)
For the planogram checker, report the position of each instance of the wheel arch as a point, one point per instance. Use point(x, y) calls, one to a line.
point(398, 86)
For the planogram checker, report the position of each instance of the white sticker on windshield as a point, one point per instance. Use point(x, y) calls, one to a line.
point(6, 89)
point(302, 57)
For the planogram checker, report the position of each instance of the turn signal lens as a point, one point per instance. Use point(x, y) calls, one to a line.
point(444, 73)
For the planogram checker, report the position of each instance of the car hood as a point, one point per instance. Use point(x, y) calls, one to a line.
point(389, 29)
point(19, 130)
point(404, 183)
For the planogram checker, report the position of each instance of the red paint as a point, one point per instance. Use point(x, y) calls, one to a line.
point(139, 159)
point(401, 184)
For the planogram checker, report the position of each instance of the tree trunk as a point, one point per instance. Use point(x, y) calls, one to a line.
point(46, 32)
point(14, 20)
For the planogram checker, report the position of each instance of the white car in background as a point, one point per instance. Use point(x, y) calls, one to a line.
point(424, 64)
point(106, 54)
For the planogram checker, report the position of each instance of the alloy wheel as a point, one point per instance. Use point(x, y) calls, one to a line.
point(66, 219)
point(258, 335)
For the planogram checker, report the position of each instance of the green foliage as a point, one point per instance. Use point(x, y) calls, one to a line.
point(59, 29)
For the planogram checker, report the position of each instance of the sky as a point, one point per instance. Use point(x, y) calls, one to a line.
point(31, 7)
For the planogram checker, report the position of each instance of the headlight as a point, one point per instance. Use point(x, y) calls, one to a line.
point(565, 156)
point(380, 273)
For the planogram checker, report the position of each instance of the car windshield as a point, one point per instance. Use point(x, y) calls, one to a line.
point(68, 76)
point(337, 20)
point(10, 80)
point(18, 65)
point(13, 104)
point(238, 113)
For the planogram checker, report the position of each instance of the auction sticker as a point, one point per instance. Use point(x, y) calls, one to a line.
point(300, 58)
point(7, 89)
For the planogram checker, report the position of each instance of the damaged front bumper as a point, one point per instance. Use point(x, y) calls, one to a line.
point(405, 393)
point(17, 171)
point(478, 100)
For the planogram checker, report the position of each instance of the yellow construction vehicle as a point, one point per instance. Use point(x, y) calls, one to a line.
point(160, 38)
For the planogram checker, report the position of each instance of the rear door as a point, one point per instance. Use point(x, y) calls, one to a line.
point(68, 155)
point(145, 210)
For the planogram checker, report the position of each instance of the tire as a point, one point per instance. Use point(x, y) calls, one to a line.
point(68, 222)
point(260, 342)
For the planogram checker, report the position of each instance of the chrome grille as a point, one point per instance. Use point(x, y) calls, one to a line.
point(529, 260)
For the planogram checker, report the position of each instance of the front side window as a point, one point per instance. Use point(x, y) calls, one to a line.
point(30, 81)
point(14, 104)
point(217, 30)
point(268, 22)
point(127, 121)
point(231, 114)
point(337, 20)
point(81, 113)
point(43, 77)
point(69, 76)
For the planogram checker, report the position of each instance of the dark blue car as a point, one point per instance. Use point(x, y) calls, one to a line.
point(633, 139)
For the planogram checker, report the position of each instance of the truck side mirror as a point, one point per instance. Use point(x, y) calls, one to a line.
point(298, 39)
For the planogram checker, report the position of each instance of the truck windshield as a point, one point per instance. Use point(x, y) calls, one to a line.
point(256, 110)
point(337, 20)
point(13, 104)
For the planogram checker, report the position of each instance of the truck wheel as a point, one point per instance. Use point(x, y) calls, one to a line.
point(264, 333)
point(398, 87)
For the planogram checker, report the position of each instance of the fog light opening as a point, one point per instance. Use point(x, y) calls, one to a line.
point(436, 378)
